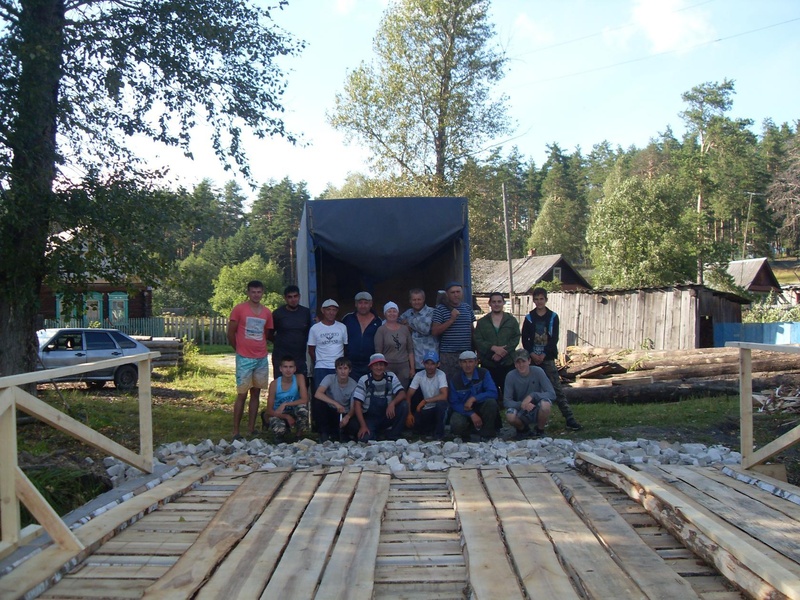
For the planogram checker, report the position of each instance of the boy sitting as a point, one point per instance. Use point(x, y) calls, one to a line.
point(432, 409)
point(287, 401)
point(337, 391)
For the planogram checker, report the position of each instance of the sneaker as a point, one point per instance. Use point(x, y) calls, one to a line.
point(538, 433)
point(522, 434)
point(238, 437)
point(573, 424)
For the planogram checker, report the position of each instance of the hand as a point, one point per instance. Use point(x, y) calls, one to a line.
point(527, 404)
point(345, 420)
point(421, 405)
point(469, 403)
point(390, 410)
point(363, 432)
point(496, 357)
point(537, 359)
point(476, 420)
point(454, 314)
point(279, 410)
point(339, 408)
point(289, 420)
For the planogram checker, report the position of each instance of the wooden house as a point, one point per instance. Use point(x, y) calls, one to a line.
point(103, 302)
point(754, 275)
point(490, 276)
point(678, 317)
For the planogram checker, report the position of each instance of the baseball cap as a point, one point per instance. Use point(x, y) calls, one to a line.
point(522, 354)
point(467, 354)
point(452, 284)
point(363, 296)
point(330, 302)
point(431, 355)
point(376, 358)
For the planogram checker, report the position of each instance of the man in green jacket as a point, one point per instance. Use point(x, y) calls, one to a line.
point(497, 335)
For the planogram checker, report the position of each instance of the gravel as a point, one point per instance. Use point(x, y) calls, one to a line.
point(405, 455)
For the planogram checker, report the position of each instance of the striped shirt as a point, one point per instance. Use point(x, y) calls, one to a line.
point(458, 336)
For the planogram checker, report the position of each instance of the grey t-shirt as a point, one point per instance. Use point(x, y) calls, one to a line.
point(341, 394)
point(517, 387)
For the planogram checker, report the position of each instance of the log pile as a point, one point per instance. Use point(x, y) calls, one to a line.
point(171, 350)
point(608, 374)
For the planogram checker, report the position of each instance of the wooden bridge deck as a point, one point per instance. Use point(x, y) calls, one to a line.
point(516, 532)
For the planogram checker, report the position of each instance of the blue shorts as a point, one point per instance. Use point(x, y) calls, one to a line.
point(251, 373)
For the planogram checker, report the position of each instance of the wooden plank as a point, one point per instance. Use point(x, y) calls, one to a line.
point(421, 591)
point(227, 527)
point(592, 569)
point(349, 572)
point(423, 574)
point(411, 537)
point(439, 560)
point(761, 522)
point(531, 550)
point(170, 527)
point(420, 514)
point(63, 422)
point(441, 525)
point(146, 548)
point(99, 588)
point(48, 563)
point(732, 554)
point(407, 504)
point(489, 574)
point(304, 558)
point(129, 559)
point(10, 522)
point(644, 565)
point(419, 548)
point(119, 572)
point(257, 555)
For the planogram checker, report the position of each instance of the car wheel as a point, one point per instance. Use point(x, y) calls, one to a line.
point(95, 385)
point(125, 377)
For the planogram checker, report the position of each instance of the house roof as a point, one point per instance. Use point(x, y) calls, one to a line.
point(677, 286)
point(754, 274)
point(492, 275)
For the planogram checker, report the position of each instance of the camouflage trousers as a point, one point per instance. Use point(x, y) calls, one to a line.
point(280, 426)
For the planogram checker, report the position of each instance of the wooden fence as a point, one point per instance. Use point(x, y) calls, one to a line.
point(200, 330)
point(15, 487)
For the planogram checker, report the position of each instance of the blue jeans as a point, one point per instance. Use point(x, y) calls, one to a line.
point(377, 421)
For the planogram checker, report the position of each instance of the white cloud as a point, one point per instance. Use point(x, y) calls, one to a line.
point(531, 32)
point(345, 7)
point(671, 26)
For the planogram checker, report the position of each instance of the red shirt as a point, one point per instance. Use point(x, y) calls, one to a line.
point(251, 330)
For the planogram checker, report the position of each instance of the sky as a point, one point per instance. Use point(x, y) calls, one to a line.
point(579, 72)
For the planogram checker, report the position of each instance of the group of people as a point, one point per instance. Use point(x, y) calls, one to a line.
point(419, 369)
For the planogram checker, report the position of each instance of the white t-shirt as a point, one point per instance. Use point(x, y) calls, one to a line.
point(430, 386)
point(329, 342)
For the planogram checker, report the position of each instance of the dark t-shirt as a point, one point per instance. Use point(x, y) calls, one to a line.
point(291, 333)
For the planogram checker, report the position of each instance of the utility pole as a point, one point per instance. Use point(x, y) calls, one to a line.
point(747, 221)
point(508, 251)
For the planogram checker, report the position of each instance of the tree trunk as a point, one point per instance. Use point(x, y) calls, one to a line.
point(28, 203)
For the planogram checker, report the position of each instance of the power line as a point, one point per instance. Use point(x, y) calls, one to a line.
point(649, 56)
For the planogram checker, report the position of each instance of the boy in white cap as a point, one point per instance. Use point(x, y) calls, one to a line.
point(430, 412)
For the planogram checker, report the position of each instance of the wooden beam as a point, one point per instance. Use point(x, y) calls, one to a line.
point(145, 415)
point(63, 422)
point(746, 402)
point(9, 503)
point(730, 553)
point(488, 568)
point(44, 513)
point(229, 525)
point(531, 550)
point(774, 447)
point(24, 379)
point(350, 571)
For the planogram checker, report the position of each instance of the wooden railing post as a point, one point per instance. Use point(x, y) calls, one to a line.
point(145, 414)
point(9, 504)
point(746, 403)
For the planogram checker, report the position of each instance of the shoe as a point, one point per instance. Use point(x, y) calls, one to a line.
point(264, 420)
point(573, 425)
point(538, 433)
point(238, 437)
point(522, 434)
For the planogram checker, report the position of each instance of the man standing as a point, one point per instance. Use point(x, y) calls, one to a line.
point(540, 339)
point(361, 327)
point(419, 319)
point(528, 396)
point(452, 324)
point(327, 341)
point(496, 338)
point(473, 399)
point(248, 330)
point(290, 333)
